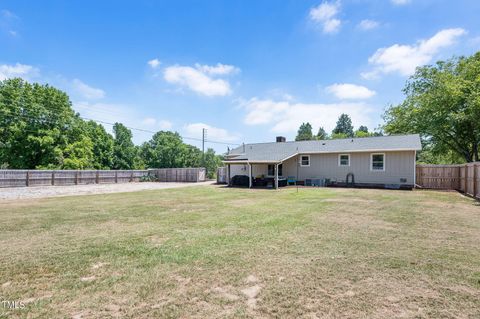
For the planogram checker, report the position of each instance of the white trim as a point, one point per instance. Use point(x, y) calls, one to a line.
point(340, 161)
point(301, 160)
point(250, 175)
point(371, 162)
point(414, 169)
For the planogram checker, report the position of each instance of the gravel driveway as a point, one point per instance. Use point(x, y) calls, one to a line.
point(54, 191)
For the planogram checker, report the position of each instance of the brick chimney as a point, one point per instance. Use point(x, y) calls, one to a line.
point(281, 139)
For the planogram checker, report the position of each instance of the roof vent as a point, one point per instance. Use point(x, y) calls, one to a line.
point(281, 139)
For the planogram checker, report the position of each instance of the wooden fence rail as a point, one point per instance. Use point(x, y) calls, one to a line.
point(464, 177)
point(22, 178)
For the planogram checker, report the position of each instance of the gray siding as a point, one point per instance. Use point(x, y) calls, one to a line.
point(398, 165)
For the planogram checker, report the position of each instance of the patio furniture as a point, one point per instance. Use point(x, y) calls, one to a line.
point(291, 180)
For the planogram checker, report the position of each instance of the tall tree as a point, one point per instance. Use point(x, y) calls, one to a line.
point(304, 132)
point(37, 123)
point(344, 126)
point(442, 104)
point(166, 149)
point(363, 128)
point(123, 148)
point(362, 132)
point(322, 134)
point(102, 145)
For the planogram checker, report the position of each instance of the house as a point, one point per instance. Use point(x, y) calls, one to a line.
point(383, 161)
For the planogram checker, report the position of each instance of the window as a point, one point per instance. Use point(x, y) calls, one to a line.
point(305, 160)
point(271, 170)
point(344, 160)
point(377, 162)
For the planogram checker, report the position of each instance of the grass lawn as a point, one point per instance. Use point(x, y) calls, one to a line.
point(212, 252)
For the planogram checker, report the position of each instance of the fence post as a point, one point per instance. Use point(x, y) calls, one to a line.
point(96, 177)
point(131, 177)
point(116, 176)
point(53, 178)
point(28, 178)
point(474, 180)
point(465, 191)
point(76, 177)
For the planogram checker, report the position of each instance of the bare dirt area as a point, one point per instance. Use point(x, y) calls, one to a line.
point(72, 190)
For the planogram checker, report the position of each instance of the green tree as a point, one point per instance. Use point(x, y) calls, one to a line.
point(322, 134)
point(212, 162)
point(164, 150)
point(442, 104)
point(37, 123)
point(344, 126)
point(304, 132)
point(79, 154)
point(102, 145)
point(362, 132)
point(363, 128)
point(336, 136)
point(124, 150)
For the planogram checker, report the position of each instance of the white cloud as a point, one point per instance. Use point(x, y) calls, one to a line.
point(9, 22)
point(285, 117)
point(404, 59)
point(154, 63)
point(219, 69)
point(161, 124)
point(368, 24)
point(197, 80)
point(23, 71)
point(165, 125)
point(149, 121)
point(346, 91)
point(213, 133)
point(87, 91)
point(400, 2)
point(326, 15)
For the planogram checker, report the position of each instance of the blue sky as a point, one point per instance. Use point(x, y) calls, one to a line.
point(245, 70)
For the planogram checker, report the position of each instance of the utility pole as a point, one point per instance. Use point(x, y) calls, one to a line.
point(204, 134)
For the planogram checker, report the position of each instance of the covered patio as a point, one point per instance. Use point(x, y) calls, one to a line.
point(269, 174)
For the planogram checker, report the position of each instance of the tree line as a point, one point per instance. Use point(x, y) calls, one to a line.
point(40, 130)
point(343, 129)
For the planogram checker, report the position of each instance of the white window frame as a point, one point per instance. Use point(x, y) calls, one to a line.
point(301, 161)
point(340, 160)
point(384, 162)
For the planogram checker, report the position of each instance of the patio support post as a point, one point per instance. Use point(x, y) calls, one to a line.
point(249, 175)
point(228, 175)
point(276, 176)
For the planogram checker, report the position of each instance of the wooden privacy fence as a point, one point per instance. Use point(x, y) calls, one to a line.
point(23, 177)
point(464, 177)
point(20, 177)
point(179, 174)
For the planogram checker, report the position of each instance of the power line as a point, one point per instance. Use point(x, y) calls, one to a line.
point(108, 123)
